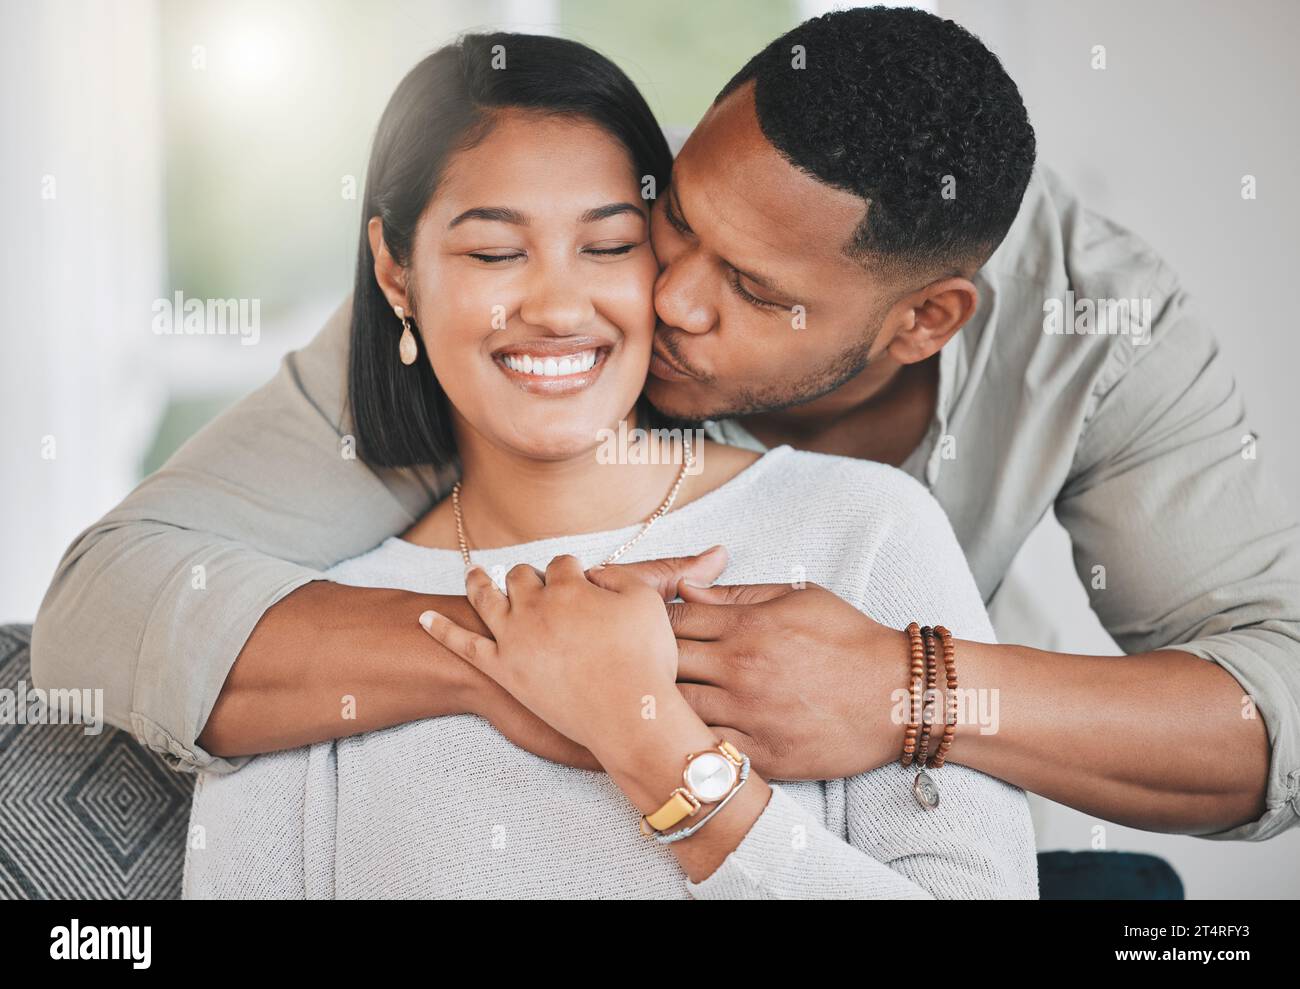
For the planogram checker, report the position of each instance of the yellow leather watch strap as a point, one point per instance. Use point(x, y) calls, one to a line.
point(680, 805)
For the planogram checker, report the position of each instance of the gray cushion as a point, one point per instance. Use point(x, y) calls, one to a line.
point(84, 816)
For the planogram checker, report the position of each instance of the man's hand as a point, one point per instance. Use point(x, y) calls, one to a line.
point(798, 679)
point(525, 729)
point(582, 658)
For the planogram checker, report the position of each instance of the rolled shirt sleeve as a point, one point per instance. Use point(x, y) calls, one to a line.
point(1170, 495)
point(153, 603)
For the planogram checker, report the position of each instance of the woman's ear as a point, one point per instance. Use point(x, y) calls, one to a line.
point(390, 275)
point(930, 316)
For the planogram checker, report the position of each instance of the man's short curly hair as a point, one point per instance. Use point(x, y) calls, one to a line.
point(889, 103)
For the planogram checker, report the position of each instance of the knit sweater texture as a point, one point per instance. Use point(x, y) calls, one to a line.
point(448, 808)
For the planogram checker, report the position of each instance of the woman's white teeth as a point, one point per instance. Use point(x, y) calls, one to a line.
point(549, 367)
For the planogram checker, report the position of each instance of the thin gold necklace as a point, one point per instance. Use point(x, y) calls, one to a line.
point(688, 461)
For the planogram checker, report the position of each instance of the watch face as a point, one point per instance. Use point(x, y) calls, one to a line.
point(710, 776)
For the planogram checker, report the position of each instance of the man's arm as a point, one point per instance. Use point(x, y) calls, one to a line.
point(333, 660)
point(1196, 731)
point(1154, 741)
point(1191, 558)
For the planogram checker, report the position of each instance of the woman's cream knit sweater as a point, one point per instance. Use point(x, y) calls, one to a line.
point(448, 808)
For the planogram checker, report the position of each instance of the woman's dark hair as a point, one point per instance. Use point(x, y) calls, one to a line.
point(445, 104)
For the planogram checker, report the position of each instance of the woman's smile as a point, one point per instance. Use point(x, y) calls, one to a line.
point(553, 366)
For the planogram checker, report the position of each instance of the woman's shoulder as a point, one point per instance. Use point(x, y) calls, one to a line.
point(857, 506)
point(903, 559)
point(852, 470)
point(860, 488)
point(722, 461)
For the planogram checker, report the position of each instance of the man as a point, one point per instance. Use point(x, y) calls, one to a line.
point(830, 230)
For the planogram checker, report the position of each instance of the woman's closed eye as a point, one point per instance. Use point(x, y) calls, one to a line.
point(615, 250)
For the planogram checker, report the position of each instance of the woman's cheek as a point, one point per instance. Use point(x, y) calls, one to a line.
point(465, 308)
point(629, 296)
point(456, 328)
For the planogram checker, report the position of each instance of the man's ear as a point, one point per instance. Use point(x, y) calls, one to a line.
point(390, 275)
point(930, 316)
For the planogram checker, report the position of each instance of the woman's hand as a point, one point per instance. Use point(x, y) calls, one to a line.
point(595, 663)
point(599, 665)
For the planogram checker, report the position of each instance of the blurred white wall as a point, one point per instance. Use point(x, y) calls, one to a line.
point(81, 188)
point(1195, 94)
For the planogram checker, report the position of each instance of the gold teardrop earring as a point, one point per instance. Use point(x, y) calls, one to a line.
point(406, 348)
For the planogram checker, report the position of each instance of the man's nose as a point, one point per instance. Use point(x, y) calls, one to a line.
point(682, 294)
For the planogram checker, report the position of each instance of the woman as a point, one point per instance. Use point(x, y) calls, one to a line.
point(503, 318)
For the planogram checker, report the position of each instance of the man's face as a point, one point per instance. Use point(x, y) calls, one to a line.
point(744, 238)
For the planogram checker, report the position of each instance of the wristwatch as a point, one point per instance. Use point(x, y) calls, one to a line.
point(709, 776)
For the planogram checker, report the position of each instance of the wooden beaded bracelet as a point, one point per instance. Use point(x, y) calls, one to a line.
point(950, 716)
point(917, 678)
point(924, 673)
point(931, 679)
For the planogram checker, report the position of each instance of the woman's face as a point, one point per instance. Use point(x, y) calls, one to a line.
point(532, 279)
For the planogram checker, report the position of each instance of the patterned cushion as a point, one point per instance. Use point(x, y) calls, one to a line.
point(84, 816)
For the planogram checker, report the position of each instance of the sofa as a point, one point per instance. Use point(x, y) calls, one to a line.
point(100, 817)
point(84, 816)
